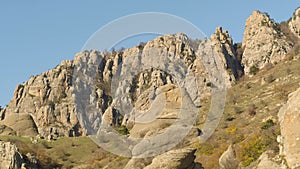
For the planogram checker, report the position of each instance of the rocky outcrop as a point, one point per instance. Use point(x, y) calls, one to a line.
point(294, 23)
point(7, 131)
point(20, 124)
point(71, 99)
point(179, 159)
point(45, 102)
point(265, 161)
point(223, 45)
point(289, 116)
point(263, 42)
point(228, 159)
point(10, 158)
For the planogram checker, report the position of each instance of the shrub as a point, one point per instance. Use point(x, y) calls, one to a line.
point(269, 123)
point(251, 150)
point(231, 130)
point(31, 95)
point(122, 130)
point(253, 70)
point(141, 45)
point(209, 84)
point(205, 149)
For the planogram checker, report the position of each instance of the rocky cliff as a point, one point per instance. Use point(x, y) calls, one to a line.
point(53, 100)
point(263, 43)
point(77, 96)
point(294, 23)
point(46, 100)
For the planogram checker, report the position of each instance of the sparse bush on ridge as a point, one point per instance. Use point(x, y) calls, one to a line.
point(251, 150)
point(269, 123)
point(253, 70)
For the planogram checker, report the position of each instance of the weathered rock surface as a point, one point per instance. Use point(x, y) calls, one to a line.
point(289, 116)
point(265, 161)
point(228, 159)
point(71, 99)
point(138, 163)
point(263, 42)
point(223, 45)
point(7, 131)
point(44, 101)
point(179, 159)
point(294, 23)
point(10, 158)
point(20, 124)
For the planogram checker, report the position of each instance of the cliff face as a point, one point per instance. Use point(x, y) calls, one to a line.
point(263, 42)
point(47, 99)
point(77, 96)
point(56, 101)
point(294, 23)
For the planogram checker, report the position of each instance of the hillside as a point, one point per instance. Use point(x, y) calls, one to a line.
point(73, 115)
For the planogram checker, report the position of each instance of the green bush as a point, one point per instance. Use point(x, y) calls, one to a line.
point(269, 123)
point(209, 84)
point(251, 150)
point(122, 130)
point(205, 149)
point(253, 70)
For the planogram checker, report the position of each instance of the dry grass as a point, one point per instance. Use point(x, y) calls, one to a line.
point(243, 99)
point(68, 153)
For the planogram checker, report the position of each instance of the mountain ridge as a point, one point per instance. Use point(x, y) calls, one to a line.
point(47, 103)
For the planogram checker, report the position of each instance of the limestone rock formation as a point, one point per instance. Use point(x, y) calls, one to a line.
point(71, 99)
point(223, 45)
point(138, 163)
point(265, 161)
point(179, 159)
point(7, 131)
point(263, 42)
point(44, 101)
point(20, 124)
point(228, 159)
point(289, 116)
point(10, 158)
point(294, 23)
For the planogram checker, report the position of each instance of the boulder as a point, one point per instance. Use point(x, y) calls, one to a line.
point(289, 116)
point(228, 159)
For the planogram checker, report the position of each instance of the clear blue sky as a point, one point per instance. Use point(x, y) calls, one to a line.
point(37, 35)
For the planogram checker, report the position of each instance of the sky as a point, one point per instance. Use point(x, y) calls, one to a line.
point(36, 35)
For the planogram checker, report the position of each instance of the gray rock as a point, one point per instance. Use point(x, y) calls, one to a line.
point(289, 116)
point(263, 42)
point(294, 23)
point(179, 159)
point(10, 158)
point(265, 161)
point(228, 159)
